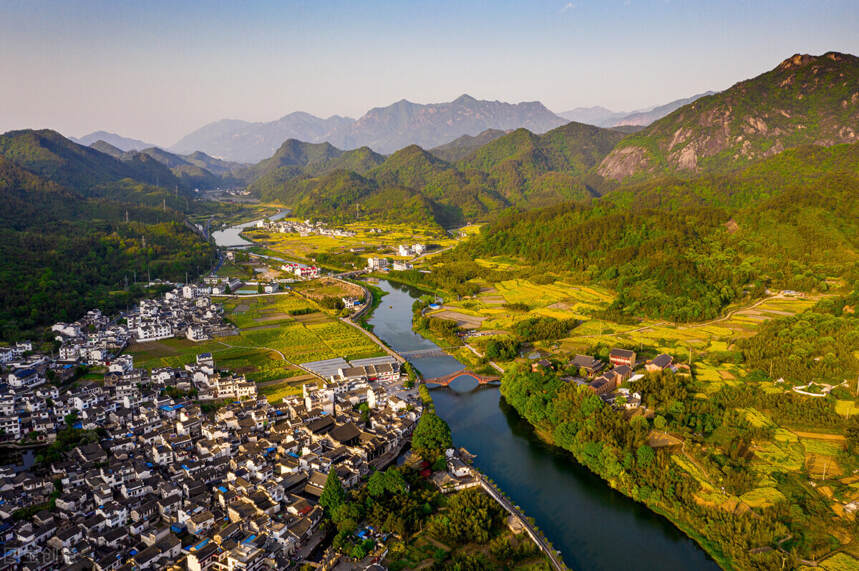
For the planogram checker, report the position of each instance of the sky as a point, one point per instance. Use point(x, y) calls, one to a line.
point(157, 70)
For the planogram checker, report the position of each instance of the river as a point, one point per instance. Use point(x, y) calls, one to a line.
point(231, 237)
point(593, 526)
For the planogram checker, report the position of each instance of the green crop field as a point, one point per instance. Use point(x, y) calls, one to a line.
point(266, 331)
point(840, 562)
point(763, 497)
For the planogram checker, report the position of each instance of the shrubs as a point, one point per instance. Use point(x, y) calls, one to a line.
point(539, 328)
point(471, 516)
point(503, 349)
point(331, 302)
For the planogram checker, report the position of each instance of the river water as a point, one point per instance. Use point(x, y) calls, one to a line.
point(230, 237)
point(592, 525)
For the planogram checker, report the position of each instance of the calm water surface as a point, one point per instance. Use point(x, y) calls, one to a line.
point(592, 525)
point(229, 237)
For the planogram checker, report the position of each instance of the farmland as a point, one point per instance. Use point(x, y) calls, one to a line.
point(369, 240)
point(709, 345)
point(271, 339)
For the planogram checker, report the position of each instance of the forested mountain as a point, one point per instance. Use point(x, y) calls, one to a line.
point(117, 141)
point(383, 129)
point(530, 170)
point(518, 168)
point(463, 146)
point(296, 160)
point(197, 170)
point(682, 249)
point(246, 142)
point(75, 223)
point(84, 169)
point(804, 100)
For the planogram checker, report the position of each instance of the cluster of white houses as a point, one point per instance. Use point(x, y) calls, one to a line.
point(305, 228)
point(411, 250)
point(158, 484)
point(182, 312)
point(301, 270)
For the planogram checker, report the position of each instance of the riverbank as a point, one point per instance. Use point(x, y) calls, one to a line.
point(711, 550)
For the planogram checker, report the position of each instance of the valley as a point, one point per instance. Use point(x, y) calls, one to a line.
point(661, 308)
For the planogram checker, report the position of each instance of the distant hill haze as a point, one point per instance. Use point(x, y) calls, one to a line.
point(804, 100)
point(382, 129)
point(117, 141)
point(602, 117)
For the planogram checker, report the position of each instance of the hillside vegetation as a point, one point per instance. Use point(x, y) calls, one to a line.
point(65, 244)
point(514, 169)
point(804, 100)
point(684, 249)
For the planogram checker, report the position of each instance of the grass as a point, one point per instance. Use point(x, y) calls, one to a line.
point(763, 497)
point(840, 562)
point(846, 408)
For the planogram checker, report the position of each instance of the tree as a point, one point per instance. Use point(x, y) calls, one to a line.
point(333, 495)
point(431, 436)
point(659, 422)
point(390, 481)
point(645, 455)
point(260, 288)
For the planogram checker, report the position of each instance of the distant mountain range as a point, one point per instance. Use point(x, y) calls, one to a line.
point(118, 141)
point(602, 117)
point(383, 129)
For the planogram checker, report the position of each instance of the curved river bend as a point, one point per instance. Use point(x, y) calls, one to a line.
point(592, 525)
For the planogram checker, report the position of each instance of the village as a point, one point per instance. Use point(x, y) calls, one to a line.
point(185, 467)
point(304, 229)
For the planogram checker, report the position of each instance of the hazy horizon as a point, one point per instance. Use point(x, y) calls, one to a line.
point(160, 70)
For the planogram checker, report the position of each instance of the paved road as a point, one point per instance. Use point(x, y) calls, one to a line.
point(554, 557)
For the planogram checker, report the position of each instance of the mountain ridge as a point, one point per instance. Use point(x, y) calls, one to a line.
point(122, 143)
point(383, 129)
point(805, 99)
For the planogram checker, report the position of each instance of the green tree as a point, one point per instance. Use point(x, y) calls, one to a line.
point(645, 455)
point(333, 495)
point(431, 436)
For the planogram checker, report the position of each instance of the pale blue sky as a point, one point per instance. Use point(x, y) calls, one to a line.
point(157, 70)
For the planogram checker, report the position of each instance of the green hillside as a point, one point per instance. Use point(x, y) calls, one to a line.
point(518, 169)
point(805, 100)
point(683, 249)
point(463, 146)
point(65, 244)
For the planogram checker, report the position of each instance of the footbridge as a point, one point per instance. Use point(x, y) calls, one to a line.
point(424, 353)
point(447, 379)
